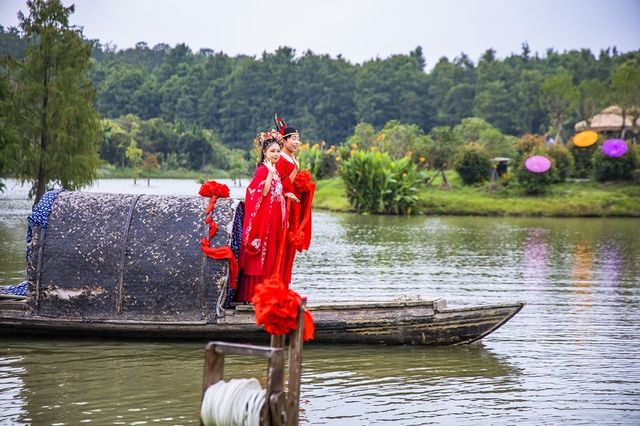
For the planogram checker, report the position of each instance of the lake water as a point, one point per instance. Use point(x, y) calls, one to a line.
point(571, 356)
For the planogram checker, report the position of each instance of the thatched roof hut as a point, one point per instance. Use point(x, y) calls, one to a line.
point(607, 120)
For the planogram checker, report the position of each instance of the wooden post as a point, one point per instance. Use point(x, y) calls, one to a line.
point(295, 368)
point(280, 408)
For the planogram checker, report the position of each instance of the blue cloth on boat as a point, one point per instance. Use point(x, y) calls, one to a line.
point(236, 243)
point(40, 215)
point(17, 290)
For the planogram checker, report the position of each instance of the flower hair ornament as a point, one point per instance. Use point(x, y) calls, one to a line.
point(263, 138)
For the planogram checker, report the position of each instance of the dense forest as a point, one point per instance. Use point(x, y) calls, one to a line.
point(325, 97)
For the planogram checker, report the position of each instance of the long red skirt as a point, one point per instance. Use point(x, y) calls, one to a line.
point(254, 270)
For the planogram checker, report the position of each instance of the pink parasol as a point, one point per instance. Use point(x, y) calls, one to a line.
point(614, 148)
point(537, 164)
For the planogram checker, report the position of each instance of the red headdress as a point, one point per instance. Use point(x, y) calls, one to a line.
point(280, 124)
point(282, 128)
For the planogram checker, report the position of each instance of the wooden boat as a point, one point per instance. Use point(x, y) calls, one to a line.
point(130, 266)
point(395, 322)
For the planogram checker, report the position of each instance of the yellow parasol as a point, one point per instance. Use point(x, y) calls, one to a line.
point(585, 139)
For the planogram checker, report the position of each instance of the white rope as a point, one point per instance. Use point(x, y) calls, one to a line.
point(236, 402)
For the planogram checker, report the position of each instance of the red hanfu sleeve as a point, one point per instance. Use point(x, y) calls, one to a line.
point(284, 168)
point(254, 210)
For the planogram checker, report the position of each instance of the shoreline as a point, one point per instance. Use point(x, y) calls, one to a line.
point(577, 199)
point(573, 199)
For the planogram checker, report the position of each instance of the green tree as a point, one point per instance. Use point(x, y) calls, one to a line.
point(53, 102)
point(403, 140)
point(393, 89)
point(149, 165)
point(452, 87)
point(498, 106)
point(559, 98)
point(115, 93)
point(364, 137)
point(477, 130)
point(529, 116)
point(443, 146)
point(9, 135)
point(625, 82)
point(197, 149)
point(593, 97)
point(133, 153)
point(114, 142)
point(473, 164)
point(134, 156)
point(11, 44)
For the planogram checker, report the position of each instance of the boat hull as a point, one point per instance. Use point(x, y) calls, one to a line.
point(391, 323)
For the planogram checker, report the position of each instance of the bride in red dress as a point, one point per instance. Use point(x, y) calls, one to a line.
point(264, 215)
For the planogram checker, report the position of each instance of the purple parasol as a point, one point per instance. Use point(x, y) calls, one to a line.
point(537, 164)
point(614, 148)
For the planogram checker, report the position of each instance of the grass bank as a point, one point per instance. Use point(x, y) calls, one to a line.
point(129, 173)
point(571, 199)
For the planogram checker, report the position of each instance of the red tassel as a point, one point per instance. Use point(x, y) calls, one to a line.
point(223, 252)
point(213, 190)
point(213, 228)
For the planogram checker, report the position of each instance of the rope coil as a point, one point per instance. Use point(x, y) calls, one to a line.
point(236, 402)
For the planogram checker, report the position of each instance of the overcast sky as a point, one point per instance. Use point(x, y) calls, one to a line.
point(359, 29)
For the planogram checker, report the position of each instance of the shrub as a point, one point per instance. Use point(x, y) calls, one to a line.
point(526, 145)
point(377, 184)
point(395, 138)
point(321, 163)
point(473, 164)
point(563, 162)
point(403, 140)
point(582, 157)
point(442, 147)
point(474, 129)
point(618, 168)
point(534, 183)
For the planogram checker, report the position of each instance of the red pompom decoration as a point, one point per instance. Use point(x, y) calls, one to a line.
point(211, 188)
point(276, 308)
point(309, 326)
point(303, 182)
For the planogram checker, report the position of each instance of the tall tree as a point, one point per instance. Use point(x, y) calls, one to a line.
point(593, 97)
point(559, 98)
point(53, 102)
point(625, 81)
point(8, 132)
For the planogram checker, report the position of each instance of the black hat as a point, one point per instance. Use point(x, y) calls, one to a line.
point(288, 131)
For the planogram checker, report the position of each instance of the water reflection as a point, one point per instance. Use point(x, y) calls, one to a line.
point(611, 259)
point(535, 255)
point(582, 269)
point(404, 385)
point(71, 382)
